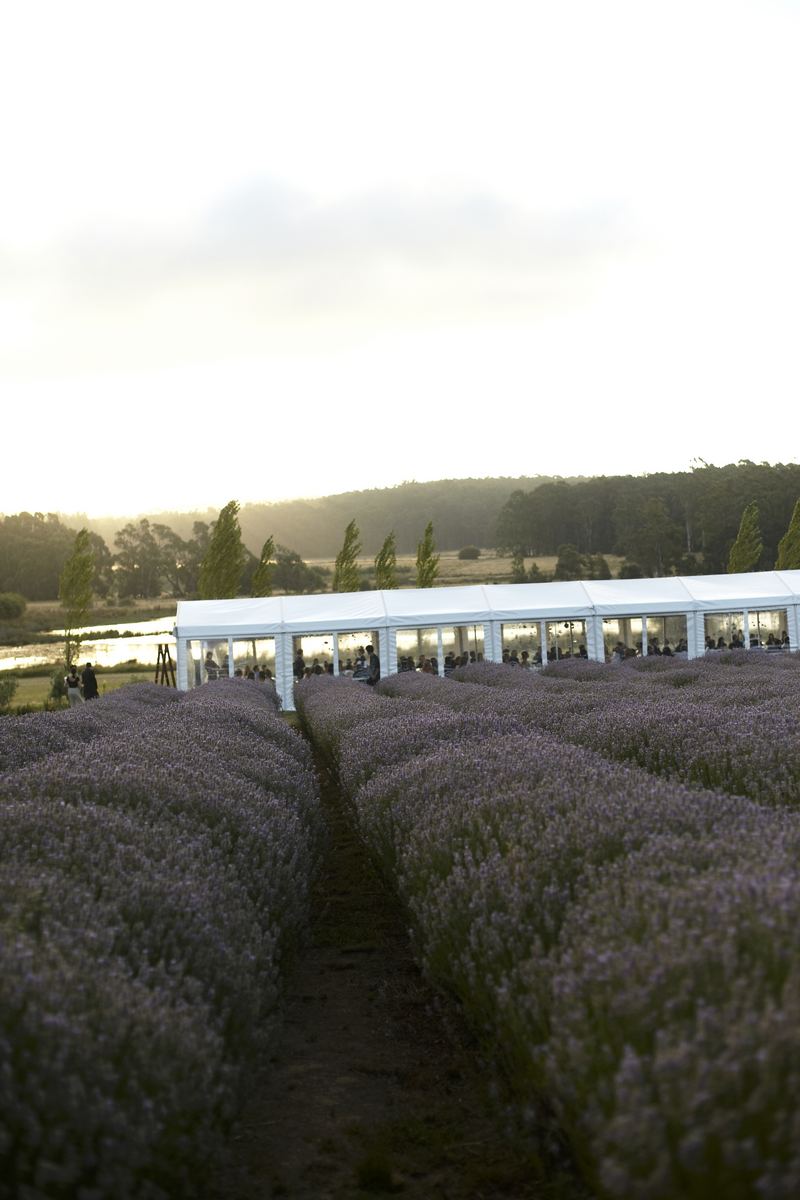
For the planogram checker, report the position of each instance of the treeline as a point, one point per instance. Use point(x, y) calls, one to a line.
point(680, 523)
point(462, 511)
point(149, 559)
point(685, 522)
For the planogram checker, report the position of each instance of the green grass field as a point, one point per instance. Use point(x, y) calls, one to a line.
point(453, 571)
point(35, 689)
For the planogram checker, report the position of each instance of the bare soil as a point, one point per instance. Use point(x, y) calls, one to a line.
point(377, 1085)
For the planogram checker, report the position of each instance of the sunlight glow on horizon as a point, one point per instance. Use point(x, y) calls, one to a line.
point(324, 250)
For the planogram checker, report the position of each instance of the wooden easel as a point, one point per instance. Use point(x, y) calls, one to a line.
point(165, 668)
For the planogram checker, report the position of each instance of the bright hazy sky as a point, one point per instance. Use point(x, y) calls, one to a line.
point(261, 250)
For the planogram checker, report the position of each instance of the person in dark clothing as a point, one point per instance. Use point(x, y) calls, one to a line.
point(299, 665)
point(89, 681)
point(374, 667)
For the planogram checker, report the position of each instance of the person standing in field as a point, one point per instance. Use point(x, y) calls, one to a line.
point(73, 685)
point(89, 681)
point(374, 666)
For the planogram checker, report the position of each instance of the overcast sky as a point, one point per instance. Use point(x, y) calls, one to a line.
point(262, 250)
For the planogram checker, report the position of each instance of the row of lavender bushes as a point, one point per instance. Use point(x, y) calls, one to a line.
point(156, 851)
point(731, 724)
point(630, 945)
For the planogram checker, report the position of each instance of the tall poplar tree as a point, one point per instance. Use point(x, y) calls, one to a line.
point(75, 591)
point(262, 576)
point(386, 564)
point(789, 545)
point(345, 570)
point(223, 562)
point(747, 549)
point(427, 560)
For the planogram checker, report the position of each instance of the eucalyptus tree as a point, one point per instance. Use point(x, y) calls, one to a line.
point(139, 560)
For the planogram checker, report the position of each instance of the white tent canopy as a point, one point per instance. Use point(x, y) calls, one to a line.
point(490, 606)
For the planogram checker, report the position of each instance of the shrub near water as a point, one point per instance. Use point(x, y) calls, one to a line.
point(152, 882)
point(631, 946)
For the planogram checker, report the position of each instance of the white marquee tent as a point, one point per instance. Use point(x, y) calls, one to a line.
point(595, 612)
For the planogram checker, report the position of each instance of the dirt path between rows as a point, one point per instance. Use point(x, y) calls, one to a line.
point(377, 1086)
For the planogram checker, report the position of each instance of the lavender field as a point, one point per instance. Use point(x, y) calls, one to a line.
point(156, 854)
point(601, 864)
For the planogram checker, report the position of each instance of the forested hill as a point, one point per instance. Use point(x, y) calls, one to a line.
point(684, 522)
point(463, 511)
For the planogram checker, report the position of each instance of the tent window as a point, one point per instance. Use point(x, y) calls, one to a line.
point(768, 630)
point(566, 639)
point(254, 652)
point(522, 637)
point(661, 631)
point(207, 660)
point(765, 630)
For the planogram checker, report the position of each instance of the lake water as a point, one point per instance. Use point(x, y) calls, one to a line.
point(105, 652)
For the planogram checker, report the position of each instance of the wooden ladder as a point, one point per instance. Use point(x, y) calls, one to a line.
point(165, 668)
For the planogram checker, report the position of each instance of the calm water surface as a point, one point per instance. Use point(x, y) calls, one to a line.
point(112, 652)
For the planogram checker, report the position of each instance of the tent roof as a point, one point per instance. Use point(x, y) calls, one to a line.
point(423, 607)
point(516, 601)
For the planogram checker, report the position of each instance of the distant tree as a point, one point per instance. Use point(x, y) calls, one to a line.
point(261, 584)
point(647, 533)
point(427, 559)
point(346, 577)
point(689, 564)
point(571, 563)
point(12, 606)
point(223, 563)
point(103, 581)
point(197, 549)
point(138, 560)
point(176, 556)
point(598, 567)
point(746, 550)
point(386, 565)
point(518, 572)
point(294, 577)
point(33, 550)
point(469, 552)
point(536, 574)
point(75, 591)
point(7, 689)
point(789, 545)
